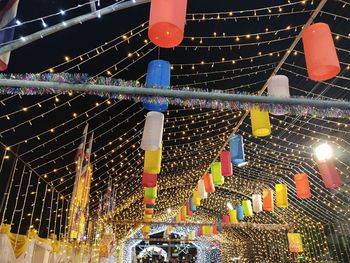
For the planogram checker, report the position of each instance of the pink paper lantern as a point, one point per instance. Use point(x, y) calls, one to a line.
point(226, 165)
point(329, 174)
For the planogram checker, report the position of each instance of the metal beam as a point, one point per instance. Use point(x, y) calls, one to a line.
point(224, 97)
point(69, 23)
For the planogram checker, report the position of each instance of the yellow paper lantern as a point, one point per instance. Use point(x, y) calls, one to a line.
point(207, 231)
point(247, 208)
point(183, 213)
point(197, 200)
point(260, 121)
point(151, 192)
point(295, 243)
point(281, 195)
point(218, 179)
point(153, 161)
point(233, 216)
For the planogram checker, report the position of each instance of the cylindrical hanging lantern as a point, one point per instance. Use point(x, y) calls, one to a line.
point(302, 186)
point(153, 131)
point(202, 193)
point(240, 213)
point(208, 183)
point(196, 198)
point(233, 216)
point(226, 165)
point(183, 213)
point(146, 229)
point(247, 208)
point(329, 174)
point(149, 211)
point(149, 180)
point(260, 121)
point(215, 230)
point(192, 205)
point(215, 168)
point(268, 200)
point(278, 86)
point(151, 192)
point(237, 149)
point(281, 195)
point(167, 22)
point(149, 201)
point(153, 161)
point(149, 217)
point(257, 203)
point(220, 229)
point(158, 76)
point(207, 231)
point(191, 236)
point(188, 209)
point(320, 54)
point(226, 219)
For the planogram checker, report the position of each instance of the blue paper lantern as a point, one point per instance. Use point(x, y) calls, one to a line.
point(158, 75)
point(150, 206)
point(193, 208)
point(240, 213)
point(220, 229)
point(237, 149)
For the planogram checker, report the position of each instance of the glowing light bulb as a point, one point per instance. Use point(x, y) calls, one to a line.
point(323, 152)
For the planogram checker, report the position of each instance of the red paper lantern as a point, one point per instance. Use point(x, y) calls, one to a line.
point(215, 230)
point(167, 22)
point(149, 180)
point(149, 211)
point(148, 201)
point(226, 165)
point(188, 209)
point(320, 54)
point(226, 219)
point(208, 183)
point(329, 174)
point(302, 186)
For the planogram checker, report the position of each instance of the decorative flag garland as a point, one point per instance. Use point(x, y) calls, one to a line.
point(182, 102)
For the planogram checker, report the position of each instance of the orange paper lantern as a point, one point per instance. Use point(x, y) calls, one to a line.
point(167, 22)
point(320, 54)
point(302, 186)
point(268, 200)
point(208, 183)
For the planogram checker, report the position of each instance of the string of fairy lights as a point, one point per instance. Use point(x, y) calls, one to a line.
point(257, 157)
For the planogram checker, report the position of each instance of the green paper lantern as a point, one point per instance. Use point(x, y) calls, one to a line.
point(247, 208)
point(151, 192)
point(218, 179)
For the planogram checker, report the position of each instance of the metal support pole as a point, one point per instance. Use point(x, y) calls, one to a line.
point(69, 23)
point(176, 93)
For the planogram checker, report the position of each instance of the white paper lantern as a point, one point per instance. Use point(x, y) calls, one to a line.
point(153, 131)
point(201, 190)
point(27, 255)
point(257, 203)
point(278, 86)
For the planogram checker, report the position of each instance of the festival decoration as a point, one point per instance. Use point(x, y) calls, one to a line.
point(208, 182)
point(281, 195)
point(207, 231)
point(151, 192)
point(278, 86)
point(202, 193)
point(193, 207)
point(304, 110)
point(328, 171)
point(237, 149)
point(295, 243)
point(232, 216)
point(268, 200)
point(320, 54)
point(188, 209)
point(183, 213)
point(167, 22)
point(226, 219)
point(260, 122)
point(247, 208)
point(215, 168)
point(158, 75)
point(153, 161)
point(149, 180)
point(196, 198)
point(226, 165)
point(257, 203)
point(240, 212)
point(153, 131)
point(302, 185)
